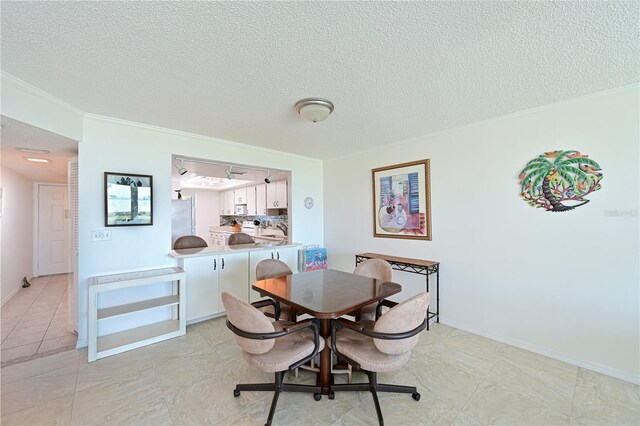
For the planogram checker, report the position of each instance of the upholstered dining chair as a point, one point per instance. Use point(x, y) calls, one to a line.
point(381, 346)
point(372, 268)
point(240, 238)
point(189, 241)
point(272, 268)
point(272, 347)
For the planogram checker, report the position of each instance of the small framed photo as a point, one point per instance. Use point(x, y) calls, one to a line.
point(402, 201)
point(128, 199)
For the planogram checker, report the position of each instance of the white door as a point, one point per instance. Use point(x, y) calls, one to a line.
point(228, 201)
point(289, 256)
point(261, 199)
point(251, 201)
point(282, 195)
point(234, 275)
point(202, 294)
point(53, 234)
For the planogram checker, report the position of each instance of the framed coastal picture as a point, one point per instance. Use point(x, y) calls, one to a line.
point(402, 201)
point(128, 199)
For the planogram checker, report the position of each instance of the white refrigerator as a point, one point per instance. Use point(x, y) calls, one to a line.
point(183, 220)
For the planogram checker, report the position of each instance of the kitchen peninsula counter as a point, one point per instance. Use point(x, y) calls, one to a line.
point(213, 270)
point(238, 248)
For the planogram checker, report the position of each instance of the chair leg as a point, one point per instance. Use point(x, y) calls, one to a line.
point(277, 387)
point(373, 384)
point(276, 394)
point(397, 388)
point(256, 387)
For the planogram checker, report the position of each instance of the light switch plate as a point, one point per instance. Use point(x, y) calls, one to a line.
point(100, 235)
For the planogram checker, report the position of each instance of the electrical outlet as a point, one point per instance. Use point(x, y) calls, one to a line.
point(100, 235)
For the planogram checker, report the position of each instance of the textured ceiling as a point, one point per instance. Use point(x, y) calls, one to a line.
point(17, 134)
point(394, 70)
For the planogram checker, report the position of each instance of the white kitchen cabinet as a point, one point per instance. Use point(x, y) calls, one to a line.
point(208, 277)
point(203, 289)
point(240, 196)
point(233, 275)
point(228, 202)
point(261, 199)
point(251, 201)
point(288, 255)
point(277, 195)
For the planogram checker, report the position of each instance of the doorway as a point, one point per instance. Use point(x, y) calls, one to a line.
point(51, 256)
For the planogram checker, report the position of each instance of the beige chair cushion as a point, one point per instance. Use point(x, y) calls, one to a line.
point(240, 238)
point(271, 268)
point(378, 269)
point(189, 241)
point(247, 318)
point(286, 351)
point(361, 349)
point(403, 317)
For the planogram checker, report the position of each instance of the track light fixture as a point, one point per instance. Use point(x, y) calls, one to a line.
point(181, 168)
point(268, 178)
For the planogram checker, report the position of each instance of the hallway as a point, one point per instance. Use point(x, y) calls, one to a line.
point(34, 321)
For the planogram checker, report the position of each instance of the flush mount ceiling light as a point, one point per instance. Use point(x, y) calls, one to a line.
point(314, 110)
point(35, 150)
point(36, 160)
point(181, 168)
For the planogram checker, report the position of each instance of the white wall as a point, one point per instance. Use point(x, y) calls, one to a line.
point(17, 231)
point(561, 284)
point(119, 146)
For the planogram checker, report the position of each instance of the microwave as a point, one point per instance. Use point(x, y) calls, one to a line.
point(241, 209)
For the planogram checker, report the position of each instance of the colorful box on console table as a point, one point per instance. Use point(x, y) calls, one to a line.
point(315, 259)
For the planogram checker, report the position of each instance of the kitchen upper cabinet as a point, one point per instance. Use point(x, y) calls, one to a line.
point(277, 195)
point(240, 196)
point(203, 291)
point(261, 199)
point(227, 202)
point(288, 255)
point(252, 207)
point(233, 275)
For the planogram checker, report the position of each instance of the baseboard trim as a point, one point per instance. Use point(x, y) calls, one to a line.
point(82, 343)
point(579, 362)
point(13, 293)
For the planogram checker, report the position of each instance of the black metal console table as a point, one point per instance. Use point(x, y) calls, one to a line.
point(414, 266)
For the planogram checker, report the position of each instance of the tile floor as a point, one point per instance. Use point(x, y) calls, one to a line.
point(464, 379)
point(34, 321)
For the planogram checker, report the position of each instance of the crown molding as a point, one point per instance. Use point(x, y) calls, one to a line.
point(209, 139)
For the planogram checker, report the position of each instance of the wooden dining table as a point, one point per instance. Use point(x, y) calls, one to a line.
point(326, 294)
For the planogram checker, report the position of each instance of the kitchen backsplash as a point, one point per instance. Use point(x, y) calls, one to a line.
point(277, 222)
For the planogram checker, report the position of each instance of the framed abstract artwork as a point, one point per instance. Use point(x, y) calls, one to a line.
point(128, 199)
point(402, 201)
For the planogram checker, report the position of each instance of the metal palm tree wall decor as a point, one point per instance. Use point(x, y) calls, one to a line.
point(558, 181)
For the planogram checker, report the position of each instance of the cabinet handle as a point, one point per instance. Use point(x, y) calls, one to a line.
point(278, 255)
point(223, 263)
point(215, 264)
point(272, 255)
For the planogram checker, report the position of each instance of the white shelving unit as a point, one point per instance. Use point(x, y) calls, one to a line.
point(111, 344)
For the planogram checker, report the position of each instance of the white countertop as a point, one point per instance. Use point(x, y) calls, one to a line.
point(212, 251)
point(225, 229)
